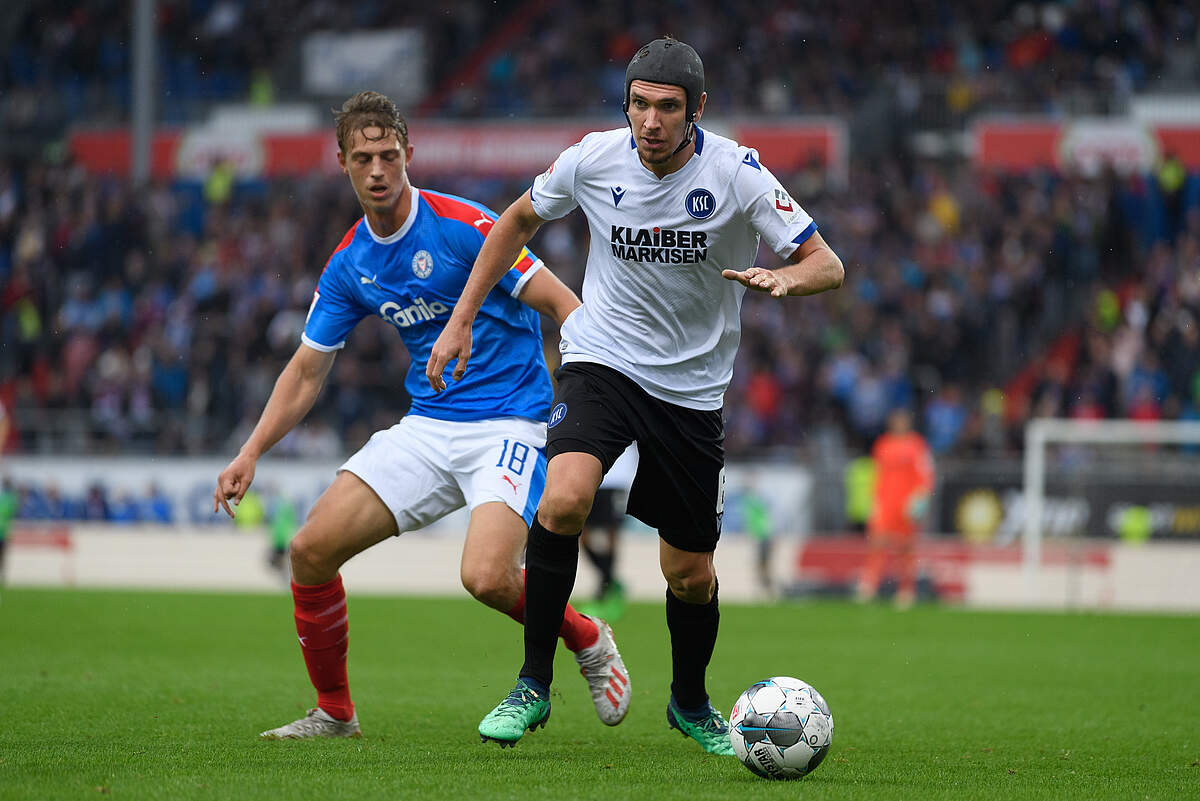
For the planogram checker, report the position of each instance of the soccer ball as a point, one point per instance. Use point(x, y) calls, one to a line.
point(781, 728)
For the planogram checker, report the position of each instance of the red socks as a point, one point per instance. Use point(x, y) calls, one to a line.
point(324, 631)
point(577, 631)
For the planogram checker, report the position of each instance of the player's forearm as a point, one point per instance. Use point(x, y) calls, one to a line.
point(510, 233)
point(494, 259)
point(819, 271)
point(547, 295)
point(294, 394)
point(563, 306)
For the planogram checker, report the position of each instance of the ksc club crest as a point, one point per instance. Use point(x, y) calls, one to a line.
point(700, 204)
point(422, 264)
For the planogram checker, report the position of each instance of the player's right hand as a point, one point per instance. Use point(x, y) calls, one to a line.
point(759, 279)
point(453, 343)
point(233, 483)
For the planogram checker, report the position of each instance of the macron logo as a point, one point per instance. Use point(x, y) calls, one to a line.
point(617, 193)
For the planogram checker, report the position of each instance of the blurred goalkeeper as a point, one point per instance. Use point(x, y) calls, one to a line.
point(903, 482)
point(480, 445)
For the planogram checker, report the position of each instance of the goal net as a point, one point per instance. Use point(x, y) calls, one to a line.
point(1133, 480)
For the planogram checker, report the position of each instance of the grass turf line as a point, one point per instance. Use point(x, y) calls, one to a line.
point(158, 695)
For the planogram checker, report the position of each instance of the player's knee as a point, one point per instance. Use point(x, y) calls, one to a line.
point(490, 586)
point(310, 559)
point(692, 584)
point(565, 511)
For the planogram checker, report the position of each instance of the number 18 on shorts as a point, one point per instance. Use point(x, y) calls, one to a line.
point(423, 469)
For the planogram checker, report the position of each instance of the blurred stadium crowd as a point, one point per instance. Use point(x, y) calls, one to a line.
point(156, 319)
point(71, 58)
point(163, 318)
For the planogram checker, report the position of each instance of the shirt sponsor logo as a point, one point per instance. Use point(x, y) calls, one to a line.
point(659, 245)
point(419, 312)
point(700, 204)
point(422, 264)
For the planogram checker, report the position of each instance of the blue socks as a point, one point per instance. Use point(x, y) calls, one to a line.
point(695, 715)
point(538, 687)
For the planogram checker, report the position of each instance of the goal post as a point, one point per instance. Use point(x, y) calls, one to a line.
point(1043, 432)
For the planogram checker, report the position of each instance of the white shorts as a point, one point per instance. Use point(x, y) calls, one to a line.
point(424, 469)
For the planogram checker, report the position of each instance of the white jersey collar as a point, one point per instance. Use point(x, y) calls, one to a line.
point(395, 237)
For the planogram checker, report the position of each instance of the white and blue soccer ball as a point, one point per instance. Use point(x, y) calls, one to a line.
point(781, 728)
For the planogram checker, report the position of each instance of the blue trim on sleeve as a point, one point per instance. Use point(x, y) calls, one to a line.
point(805, 235)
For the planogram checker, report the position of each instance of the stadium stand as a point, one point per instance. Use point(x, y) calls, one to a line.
point(154, 319)
point(568, 57)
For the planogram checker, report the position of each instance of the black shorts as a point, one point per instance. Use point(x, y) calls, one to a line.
point(680, 483)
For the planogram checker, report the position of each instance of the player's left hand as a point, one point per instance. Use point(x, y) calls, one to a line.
point(233, 483)
point(453, 343)
point(758, 279)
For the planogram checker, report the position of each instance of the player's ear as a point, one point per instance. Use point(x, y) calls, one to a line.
point(408, 151)
point(342, 160)
point(700, 105)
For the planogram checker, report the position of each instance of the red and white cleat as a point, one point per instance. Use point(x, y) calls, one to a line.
point(317, 723)
point(602, 666)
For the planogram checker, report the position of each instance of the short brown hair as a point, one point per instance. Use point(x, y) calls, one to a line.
point(369, 110)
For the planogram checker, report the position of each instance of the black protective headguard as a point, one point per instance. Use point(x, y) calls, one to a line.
point(672, 62)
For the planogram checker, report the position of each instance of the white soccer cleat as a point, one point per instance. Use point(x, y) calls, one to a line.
point(317, 723)
point(602, 666)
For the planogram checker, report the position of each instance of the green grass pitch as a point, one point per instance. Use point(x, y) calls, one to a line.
point(161, 696)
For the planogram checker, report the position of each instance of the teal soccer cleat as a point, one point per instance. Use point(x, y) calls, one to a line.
point(523, 709)
point(712, 732)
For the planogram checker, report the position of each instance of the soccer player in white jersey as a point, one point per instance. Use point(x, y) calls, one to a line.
point(676, 214)
point(480, 445)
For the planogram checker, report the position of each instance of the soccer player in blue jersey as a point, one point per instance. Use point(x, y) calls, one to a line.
point(480, 444)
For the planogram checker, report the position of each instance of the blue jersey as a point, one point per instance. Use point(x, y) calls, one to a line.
point(412, 279)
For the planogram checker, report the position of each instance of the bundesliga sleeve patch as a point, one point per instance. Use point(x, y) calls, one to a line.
point(787, 209)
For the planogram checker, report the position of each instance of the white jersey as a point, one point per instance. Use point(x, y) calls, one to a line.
point(655, 306)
